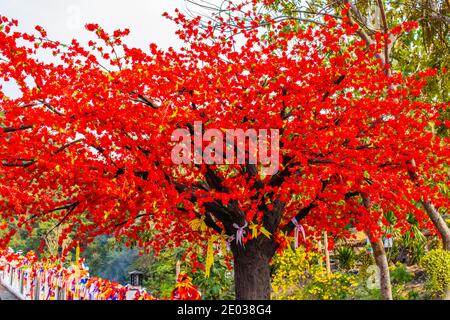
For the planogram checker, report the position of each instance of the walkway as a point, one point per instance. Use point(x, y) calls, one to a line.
point(5, 294)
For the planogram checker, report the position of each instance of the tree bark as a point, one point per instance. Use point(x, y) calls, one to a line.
point(251, 271)
point(439, 222)
point(381, 260)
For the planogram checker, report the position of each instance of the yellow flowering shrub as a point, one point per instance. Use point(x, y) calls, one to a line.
point(334, 286)
point(298, 276)
point(292, 268)
point(437, 267)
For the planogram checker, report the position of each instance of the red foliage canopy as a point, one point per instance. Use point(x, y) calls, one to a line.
point(88, 144)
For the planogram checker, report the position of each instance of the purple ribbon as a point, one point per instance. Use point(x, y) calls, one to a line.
point(240, 232)
point(229, 240)
point(298, 227)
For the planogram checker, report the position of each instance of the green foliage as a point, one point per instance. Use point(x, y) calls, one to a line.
point(403, 282)
point(159, 271)
point(364, 260)
point(109, 260)
point(160, 274)
point(345, 258)
point(219, 285)
point(400, 281)
point(46, 234)
point(400, 292)
point(399, 274)
point(436, 264)
point(410, 247)
point(362, 292)
point(418, 50)
point(365, 275)
point(414, 295)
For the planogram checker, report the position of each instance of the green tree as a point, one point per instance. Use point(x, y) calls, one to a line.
point(108, 259)
point(424, 48)
point(160, 274)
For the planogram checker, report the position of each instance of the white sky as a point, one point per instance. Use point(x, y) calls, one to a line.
point(65, 19)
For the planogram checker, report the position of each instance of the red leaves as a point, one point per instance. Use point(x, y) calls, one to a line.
point(92, 27)
point(405, 27)
point(41, 31)
point(121, 33)
point(184, 289)
point(346, 128)
point(331, 22)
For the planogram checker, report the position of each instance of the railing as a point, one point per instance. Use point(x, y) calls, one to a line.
point(28, 279)
point(13, 281)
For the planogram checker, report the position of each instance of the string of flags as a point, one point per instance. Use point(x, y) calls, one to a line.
point(49, 280)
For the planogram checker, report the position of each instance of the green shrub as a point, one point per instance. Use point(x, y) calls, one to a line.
point(410, 248)
point(414, 295)
point(436, 264)
point(364, 260)
point(362, 292)
point(345, 258)
point(399, 274)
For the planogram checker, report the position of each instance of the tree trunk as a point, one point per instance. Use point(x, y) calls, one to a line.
point(251, 272)
point(381, 260)
point(439, 222)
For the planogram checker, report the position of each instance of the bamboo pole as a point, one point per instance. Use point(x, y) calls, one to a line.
point(327, 253)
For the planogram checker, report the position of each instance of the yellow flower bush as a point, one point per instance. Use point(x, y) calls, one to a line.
point(298, 276)
point(437, 267)
point(292, 268)
point(334, 286)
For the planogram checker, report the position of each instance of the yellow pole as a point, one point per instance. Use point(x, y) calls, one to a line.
point(319, 247)
point(327, 253)
point(77, 253)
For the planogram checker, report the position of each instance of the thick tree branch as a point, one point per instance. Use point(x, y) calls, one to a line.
point(300, 215)
point(272, 219)
point(70, 209)
point(145, 100)
point(22, 127)
point(385, 30)
point(23, 163)
point(119, 224)
point(209, 221)
point(52, 109)
point(67, 145)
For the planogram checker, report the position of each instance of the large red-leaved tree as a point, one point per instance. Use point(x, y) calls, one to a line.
point(88, 141)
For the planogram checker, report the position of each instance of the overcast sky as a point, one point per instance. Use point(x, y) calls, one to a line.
point(65, 19)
